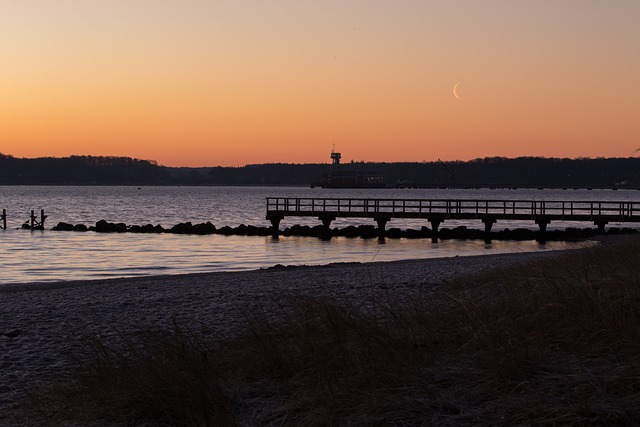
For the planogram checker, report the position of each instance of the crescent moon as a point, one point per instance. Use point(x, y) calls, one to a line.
point(455, 91)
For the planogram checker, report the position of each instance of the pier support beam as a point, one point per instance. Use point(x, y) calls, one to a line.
point(488, 223)
point(325, 233)
point(382, 223)
point(275, 225)
point(4, 219)
point(435, 223)
point(542, 224)
point(600, 225)
point(327, 220)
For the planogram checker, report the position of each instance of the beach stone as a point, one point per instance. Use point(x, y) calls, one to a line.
point(13, 333)
point(226, 230)
point(367, 231)
point(475, 234)
point(63, 226)
point(240, 230)
point(80, 227)
point(182, 228)
point(325, 233)
point(411, 233)
point(317, 229)
point(257, 231)
point(393, 233)
point(103, 226)
point(296, 230)
point(350, 231)
point(206, 228)
point(148, 228)
point(444, 233)
point(301, 230)
point(460, 232)
point(426, 231)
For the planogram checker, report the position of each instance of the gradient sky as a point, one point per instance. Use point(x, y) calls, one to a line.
point(235, 82)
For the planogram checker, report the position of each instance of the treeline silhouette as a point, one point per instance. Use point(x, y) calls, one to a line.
point(485, 172)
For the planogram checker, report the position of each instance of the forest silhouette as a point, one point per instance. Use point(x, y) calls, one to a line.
point(485, 172)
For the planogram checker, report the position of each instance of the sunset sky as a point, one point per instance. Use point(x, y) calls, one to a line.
point(235, 82)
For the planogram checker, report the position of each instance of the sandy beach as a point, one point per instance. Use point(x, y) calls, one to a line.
point(40, 324)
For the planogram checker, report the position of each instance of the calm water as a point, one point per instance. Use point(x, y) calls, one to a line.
point(51, 256)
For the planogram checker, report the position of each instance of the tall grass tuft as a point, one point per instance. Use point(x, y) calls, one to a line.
point(555, 342)
point(165, 377)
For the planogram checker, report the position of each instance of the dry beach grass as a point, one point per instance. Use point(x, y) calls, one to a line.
point(499, 340)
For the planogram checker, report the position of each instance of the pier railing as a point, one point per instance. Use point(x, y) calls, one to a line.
point(617, 211)
point(438, 210)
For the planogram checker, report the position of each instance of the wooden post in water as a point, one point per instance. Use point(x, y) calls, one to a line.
point(35, 224)
point(42, 218)
point(4, 219)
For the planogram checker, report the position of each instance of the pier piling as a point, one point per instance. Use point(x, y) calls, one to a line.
point(326, 220)
point(600, 225)
point(542, 224)
point(4, 219)
point(275, 225)
point(488, 223)
point(382, 223)
point(435, 223)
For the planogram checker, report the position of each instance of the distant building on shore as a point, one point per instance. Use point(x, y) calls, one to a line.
point(341, 177)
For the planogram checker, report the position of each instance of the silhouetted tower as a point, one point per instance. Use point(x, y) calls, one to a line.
point(335, 157)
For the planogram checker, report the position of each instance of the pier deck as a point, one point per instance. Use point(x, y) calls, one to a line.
point(435, 211)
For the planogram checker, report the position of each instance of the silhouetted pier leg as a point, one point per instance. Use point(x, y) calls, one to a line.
point(435, 223)
point(4, 219)
point(600, 225)
point(326, 234)
point(42, 218)
point(542, 223)
point(382, 223)
point(327, 220)
point(275, 225)
point(488, 223)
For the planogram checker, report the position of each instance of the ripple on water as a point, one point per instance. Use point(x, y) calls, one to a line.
point(51, 256)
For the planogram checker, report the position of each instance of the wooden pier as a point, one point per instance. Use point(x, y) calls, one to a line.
point(436, 211)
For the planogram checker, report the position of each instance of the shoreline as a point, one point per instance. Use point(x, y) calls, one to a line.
point(55, 284)
point(43, 323)
point(65, 282)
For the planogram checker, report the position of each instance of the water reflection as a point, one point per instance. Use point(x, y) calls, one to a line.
point(47, 256)
point(50, 256)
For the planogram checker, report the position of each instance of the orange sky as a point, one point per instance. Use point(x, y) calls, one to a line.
point(205, 83)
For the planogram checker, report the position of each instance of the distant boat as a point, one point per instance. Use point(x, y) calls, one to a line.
point(339, 177)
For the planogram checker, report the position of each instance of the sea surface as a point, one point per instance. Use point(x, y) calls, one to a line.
point(30, 256)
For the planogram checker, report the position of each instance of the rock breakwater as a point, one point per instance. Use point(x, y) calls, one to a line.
point(352, 231)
